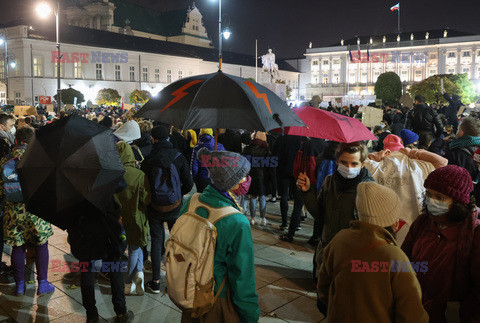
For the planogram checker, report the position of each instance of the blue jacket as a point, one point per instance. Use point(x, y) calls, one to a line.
point(208, 142)
point(327, 167)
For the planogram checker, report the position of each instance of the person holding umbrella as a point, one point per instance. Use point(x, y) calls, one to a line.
point(199, 171)
point(22, 228)
point(335, 204)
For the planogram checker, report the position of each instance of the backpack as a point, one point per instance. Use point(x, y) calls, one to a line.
point(166, 188)
point(11, 183)
point(189, 256)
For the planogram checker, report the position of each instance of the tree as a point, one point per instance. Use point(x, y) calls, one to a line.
point(69, 95)
point(431, 88)
point(388, 87)
point(139, 96)
point(108, 97)
point(468, 92)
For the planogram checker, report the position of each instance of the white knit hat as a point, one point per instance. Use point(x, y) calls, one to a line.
point(377, 204)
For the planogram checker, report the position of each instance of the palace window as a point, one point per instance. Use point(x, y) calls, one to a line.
point(98, 71)
point(38, 66)
point(77, 70)
point(169, 76)
point(118, 74)
point(157, 75)
point(132, 73)
point(145, 74)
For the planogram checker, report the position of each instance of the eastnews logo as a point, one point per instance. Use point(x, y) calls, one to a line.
point(359, 266)
point(225, 161)
point(59, 266)
point(92, 57)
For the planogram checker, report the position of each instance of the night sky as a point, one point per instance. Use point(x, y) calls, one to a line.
point(289, 25)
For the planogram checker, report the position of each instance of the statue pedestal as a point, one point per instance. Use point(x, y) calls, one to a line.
point(278, 89)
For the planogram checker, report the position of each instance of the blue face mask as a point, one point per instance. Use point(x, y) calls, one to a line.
point(348, 172)
point(436, 207)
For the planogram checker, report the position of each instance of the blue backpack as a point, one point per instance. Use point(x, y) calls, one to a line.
point(166, 188)
point(11, 183)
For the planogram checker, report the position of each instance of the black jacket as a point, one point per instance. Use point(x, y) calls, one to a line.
point(454, 105)
point(257, 152)
point(144, 144)
point(163, 155)
point(463, 157)
point(424, 119)
point(286, 149)
point(231, 140)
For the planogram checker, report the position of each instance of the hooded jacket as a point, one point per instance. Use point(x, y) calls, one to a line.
point(134, 199)
point(422, 118)
point(128, 132)
point(144, 145)
point(163, 155)
point(208, 142)
point(357, 285)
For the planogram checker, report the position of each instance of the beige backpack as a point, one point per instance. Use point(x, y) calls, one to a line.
point(189, 256)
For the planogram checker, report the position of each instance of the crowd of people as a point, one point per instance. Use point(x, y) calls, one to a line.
point(395, 220)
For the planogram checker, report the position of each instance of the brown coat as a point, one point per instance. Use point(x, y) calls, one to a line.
point(351, 294)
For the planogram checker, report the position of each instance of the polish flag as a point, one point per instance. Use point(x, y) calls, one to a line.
point(395, 7)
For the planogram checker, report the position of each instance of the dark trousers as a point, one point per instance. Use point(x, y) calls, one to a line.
point(317, 229)
point(87, 284)
point(157, 234)
point(284, 187)
point(296, 213)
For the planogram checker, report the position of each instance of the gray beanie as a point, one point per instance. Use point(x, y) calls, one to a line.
point(226, 168)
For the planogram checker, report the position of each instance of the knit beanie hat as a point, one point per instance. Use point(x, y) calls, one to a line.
point(206, 131)
point(392, 143)
point(160, 133)
point(476, 155)
point(226, 168)
point(408, 136)
point(377, 204)
point(453, 181)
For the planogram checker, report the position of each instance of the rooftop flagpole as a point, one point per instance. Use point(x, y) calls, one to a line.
point(399, 29)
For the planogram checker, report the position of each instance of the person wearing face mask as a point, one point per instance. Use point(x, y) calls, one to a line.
point(334, 206)
point(347, 291)
point(446, 235)
point(7, 133)
point(234, 256)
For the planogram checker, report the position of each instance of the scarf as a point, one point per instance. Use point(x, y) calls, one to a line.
point(344, 184)
point(465, 141)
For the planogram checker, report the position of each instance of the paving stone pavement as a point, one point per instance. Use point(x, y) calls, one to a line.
point(283, 274)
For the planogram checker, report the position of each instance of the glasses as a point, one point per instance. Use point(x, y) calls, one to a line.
point(438, 197)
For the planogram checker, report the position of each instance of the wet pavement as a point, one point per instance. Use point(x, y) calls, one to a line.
point(283, 274)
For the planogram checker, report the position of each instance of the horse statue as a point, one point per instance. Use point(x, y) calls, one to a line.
point(269, 66)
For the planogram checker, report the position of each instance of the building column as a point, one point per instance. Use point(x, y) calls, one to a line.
point(474, 64)
point(442, 61)
point(459, 65)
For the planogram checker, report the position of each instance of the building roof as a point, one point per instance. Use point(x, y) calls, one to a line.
point(404, 36)
point(166, 23)
point(106, 39)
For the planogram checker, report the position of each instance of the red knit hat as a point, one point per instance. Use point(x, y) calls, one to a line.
point(392, 143)
point(453, 181)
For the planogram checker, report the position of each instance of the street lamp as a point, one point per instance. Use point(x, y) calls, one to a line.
point(226, 33)
point(44, 10)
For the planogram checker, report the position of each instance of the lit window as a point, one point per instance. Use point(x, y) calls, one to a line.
point(451, 71)
point(466, 54)
point(336, 78)
point(418, 75)
point(2, 69)
point(314, 63)
point(352, 77)
point(325, 79)
point(77, 70)
point(404, 76)
point(38, 66)
point(169, 76)
point(145, 74)
point(62, 69)
point(432, 71)
point(157, 75)
point(325, 62)
point(180, 75)
point(118, 75)
point(451, 55)
point(132, 73)
point(98, 71)
point(364, 77)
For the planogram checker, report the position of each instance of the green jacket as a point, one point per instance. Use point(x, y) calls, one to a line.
point(134, 199)
point(233, 255)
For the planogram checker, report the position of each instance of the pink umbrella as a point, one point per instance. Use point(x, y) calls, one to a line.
point(328, 125)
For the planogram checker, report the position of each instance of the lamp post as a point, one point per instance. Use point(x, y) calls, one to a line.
point(221, 33)
point(44, 10)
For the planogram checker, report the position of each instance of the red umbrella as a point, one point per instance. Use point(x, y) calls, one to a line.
point(328, 125)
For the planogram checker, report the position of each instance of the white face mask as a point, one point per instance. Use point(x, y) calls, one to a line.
point(348, 172)
point(436, 207)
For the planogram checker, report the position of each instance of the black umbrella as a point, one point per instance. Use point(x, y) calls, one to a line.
point(219, 100)
point(69, 162)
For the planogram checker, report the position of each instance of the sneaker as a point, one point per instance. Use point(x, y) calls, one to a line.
point(44, 287)
point(20, 288)
point(252, 221)
point(153, 287)
point(6, 279)
point(272, 200)
point(286, 237)
point(263, 221)
point(298, 228)
point(125, 318)
point(138, 282)
point(130, 288)
point(283, 227)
